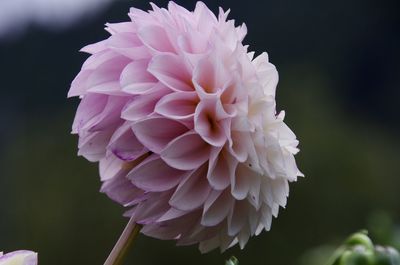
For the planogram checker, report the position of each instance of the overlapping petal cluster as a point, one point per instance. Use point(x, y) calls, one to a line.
point(182, 120)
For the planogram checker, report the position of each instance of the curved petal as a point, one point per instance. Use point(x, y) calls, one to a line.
point(95, 47)
point(142, 106)
point(267, 74)
point(153, 174)
point(241, 182)
point(221, 169)
point(239, 145)
point(129, 45)
point(90, 106)
point(121, 190)
point(206, 19)
point(178, 105)
point(92, 146)
point(157, 132)
point(171, 71)
point(186, 152)
point(207, 123)
point(151, 209)
point(192, 191)
point(210, 75)
point(125, 145)
point(105, 78)
point(237, 217)
point(109, 167)
point(172, 213)
point(135, 79)
point(216, 207)
point(156, 38)
point(109, 117)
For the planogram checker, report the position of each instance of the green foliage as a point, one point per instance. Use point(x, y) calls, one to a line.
point(383, 229)
point(358, 249)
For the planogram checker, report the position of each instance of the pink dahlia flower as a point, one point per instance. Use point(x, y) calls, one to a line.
point(20, 257)
point(182, 119)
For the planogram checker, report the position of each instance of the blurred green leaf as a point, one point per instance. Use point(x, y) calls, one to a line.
point(358, 249)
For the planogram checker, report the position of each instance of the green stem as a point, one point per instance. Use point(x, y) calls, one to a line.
point(123, 244)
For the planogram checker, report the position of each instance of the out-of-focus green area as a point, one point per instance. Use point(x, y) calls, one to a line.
point(339, 68)
point(358, 249)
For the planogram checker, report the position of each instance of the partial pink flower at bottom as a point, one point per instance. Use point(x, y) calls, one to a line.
point(19, 257)
point(182, 119)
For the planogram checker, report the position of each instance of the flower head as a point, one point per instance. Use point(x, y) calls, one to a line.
point(20, 257)
point(182, 119)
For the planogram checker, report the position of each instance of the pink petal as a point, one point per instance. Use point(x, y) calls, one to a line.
point(193, 42)
point(171, 214)
point(151, 209)
point(138, 16)
point(105, 79)
point(135, 79)
point(121, 190)
point(155, 133)
point(78, 86)
point(210, 75)
point(98, 59)
point(109, 118)
point(207, 122)
point(186, 152)
point(205, 18)
point(246, 182)
point(216, 207)
point(267, 74)
point(254, 196)
point(192, 191)
point(108, 88)
point(199, 232)
point(95, 47)
point(91, 105)
point(125, 145)
point(120, 27)
point(153, 174)
point(280, 191)
point(129, 45)
point(254, 220)
point(243, 237)
point(178, 105)
point(237, 217)
point(93, 146)
point(177, 10)
point(221, 169)
point(266, 217)
point(239, 145)
point(171, 71)
point(109, 167)
point(227, 240)
point(156, 38)
point(142, 106)
point(171, 229)
point(209, 244)
point(242, 181)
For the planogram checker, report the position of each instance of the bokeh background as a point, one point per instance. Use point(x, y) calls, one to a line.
point(339, 66)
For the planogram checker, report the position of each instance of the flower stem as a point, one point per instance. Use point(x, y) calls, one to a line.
point(123, 244)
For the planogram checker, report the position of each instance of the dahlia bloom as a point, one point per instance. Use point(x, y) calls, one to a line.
point(181, 118)
point(20, 257)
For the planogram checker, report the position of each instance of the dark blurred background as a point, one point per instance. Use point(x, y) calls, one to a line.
point(339, 66)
